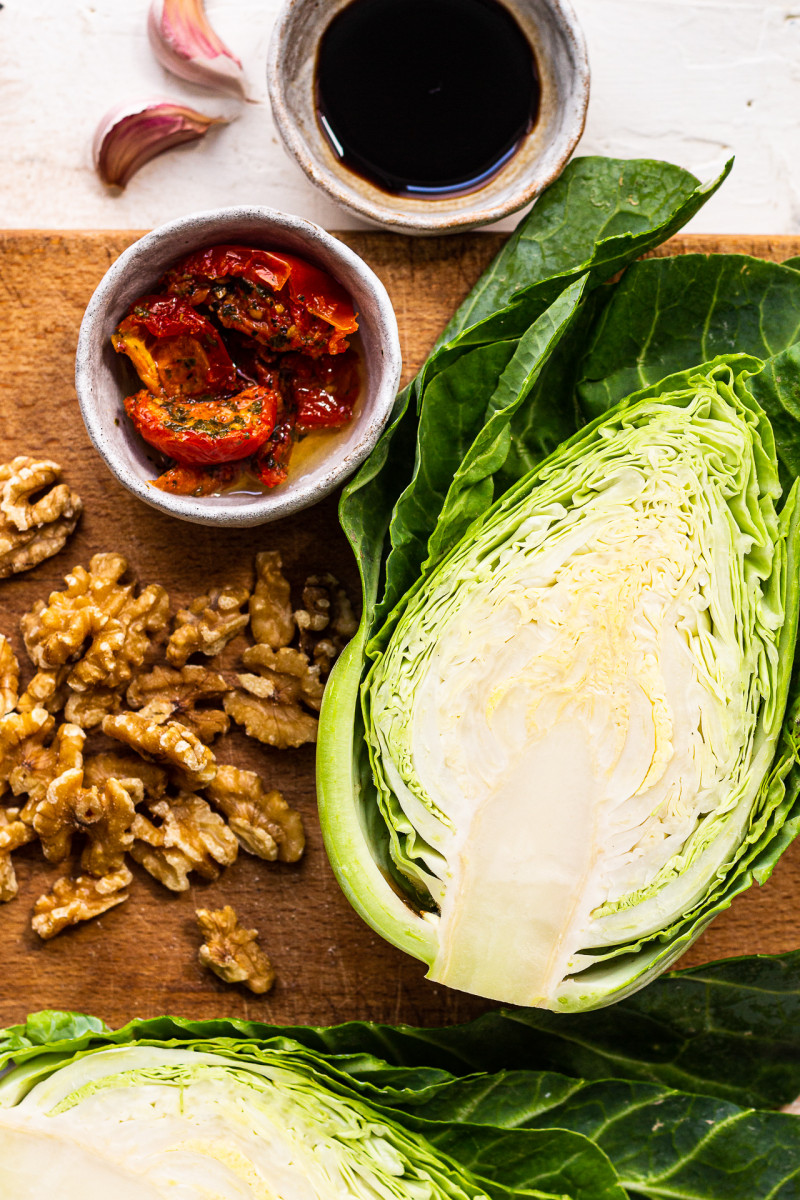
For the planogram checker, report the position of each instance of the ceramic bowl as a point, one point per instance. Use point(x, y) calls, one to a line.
point(103, 378)
point(560, 51)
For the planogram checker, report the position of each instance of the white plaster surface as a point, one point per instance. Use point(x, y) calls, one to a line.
point(692, 81)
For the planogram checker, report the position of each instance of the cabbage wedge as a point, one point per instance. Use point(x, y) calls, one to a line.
point(573, 721)
point(565, 735)
point(142, 1122)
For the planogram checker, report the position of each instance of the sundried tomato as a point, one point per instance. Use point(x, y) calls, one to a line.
point(175, 349)
point(200, 481)
point(324, 391)
point(272, 460)
point(203, 431)
point(281, 301)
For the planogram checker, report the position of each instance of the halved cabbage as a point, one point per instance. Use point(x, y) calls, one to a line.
point(140, 1122)
point(573, 720)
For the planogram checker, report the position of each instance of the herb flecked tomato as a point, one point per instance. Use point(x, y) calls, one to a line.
point(200, 481)
point(205, 431)
point(175, 349)
point(281, 301)
point(271, 463)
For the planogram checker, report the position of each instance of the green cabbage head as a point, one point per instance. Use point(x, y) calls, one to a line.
point(574, 721)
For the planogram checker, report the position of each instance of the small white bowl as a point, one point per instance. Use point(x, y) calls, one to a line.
point(555, 36)
point(103, 378)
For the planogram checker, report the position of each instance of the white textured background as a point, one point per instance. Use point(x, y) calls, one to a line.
point(691, 81)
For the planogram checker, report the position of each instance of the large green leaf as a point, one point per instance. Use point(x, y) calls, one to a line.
point(600, 214)
point(669, 314)
point(471, 489)
point(469, 408)
point(519, 1162)
point(661, 1142)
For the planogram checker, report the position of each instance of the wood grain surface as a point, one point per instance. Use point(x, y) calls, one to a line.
point(140, 959)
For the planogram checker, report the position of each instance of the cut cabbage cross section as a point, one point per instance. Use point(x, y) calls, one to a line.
point(138, 1122)
point(573, 722)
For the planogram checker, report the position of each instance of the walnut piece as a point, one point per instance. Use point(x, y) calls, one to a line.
point(190, 837)
point(39, 764)
point(104, 815)
point(165, 694)
point(103, 625)
point(30, 762)
point(74, 900)
point(271, 620)
point(26, 758)
point(326, 621)
point(30, 533)
point(47, 690)
point(269, 704)
point(208, 624)
point(89, 709)
point(141, 780)
point(232, 952)
point(262, 821)
point(120, 648)
point(55, 632)
point(171, 743)
point(13, 834)
point(9, 677)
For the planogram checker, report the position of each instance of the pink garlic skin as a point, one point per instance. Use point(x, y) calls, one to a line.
point(130, 135)
point(185, 44)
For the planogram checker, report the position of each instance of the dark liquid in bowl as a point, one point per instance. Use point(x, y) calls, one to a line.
point(426, 97)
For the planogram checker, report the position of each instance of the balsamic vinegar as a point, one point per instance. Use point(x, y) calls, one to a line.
point(426, 97)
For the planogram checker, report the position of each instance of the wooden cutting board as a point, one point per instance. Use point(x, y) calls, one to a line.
point(140, 959)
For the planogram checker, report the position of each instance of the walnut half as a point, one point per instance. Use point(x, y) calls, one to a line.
point(74, 900)
point(262, 821)
point(190, 836)
point(232, 952)
point(26, 758)
point(271, 619)
point(105, 817)
point(55, 632)
point(270, 703)
point(32, 532)
point(171, 744)
point(208, 624)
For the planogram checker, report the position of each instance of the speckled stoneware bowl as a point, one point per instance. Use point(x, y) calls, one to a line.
point(558, 45)
point(103, 378)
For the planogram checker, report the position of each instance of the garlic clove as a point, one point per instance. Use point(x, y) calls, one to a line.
point(130, 135)
point(184, 43)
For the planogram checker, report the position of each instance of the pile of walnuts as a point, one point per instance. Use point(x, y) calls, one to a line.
point(111, 661)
